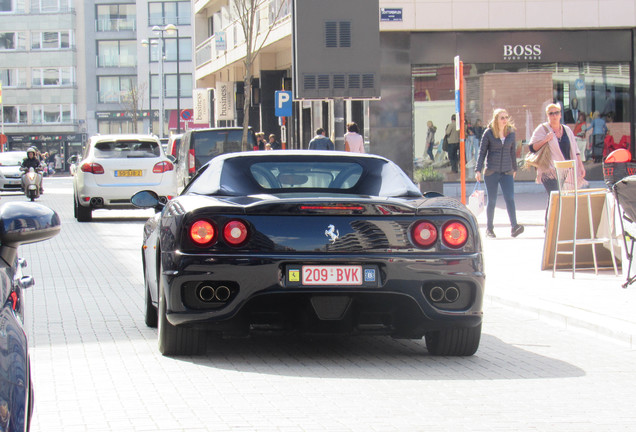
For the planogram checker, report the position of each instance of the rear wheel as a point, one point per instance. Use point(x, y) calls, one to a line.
point(454, 342)
point(173, 340)
point(83, 214)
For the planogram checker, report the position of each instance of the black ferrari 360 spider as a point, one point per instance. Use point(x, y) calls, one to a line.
point(315, 242)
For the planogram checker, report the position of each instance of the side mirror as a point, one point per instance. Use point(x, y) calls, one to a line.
point(23, 223)
point(147, 199)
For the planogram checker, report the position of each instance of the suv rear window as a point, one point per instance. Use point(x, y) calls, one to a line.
point(127, 149)
point(208, 144)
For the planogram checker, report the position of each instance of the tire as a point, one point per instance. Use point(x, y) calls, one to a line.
point(83, 214)
point(150, 317)
point(173, 340)
point(454, 342)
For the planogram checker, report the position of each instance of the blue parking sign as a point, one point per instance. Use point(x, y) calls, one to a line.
point(283, 102)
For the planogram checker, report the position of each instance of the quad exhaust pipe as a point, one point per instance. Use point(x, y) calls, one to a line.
point(449, 294)
point(207, 293)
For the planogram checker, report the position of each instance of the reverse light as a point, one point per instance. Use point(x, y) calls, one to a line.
point(235, 232)
point(424, 234)
point(162, 167)
point(454, 234)
point(93, 168)
point(202, 233)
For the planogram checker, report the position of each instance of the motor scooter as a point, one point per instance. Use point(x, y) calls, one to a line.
point(32, 183)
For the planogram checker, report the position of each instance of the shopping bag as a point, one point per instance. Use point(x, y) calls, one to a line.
point(477, 200)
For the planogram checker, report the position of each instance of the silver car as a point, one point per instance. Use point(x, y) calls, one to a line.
point(10, 174)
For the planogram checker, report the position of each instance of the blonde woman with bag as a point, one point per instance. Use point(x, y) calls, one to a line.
point(498, 150)
point(563, 146)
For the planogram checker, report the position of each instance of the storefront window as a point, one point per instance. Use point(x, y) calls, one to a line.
point(584, 91)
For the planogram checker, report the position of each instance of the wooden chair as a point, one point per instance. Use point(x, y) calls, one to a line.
point(567, 176)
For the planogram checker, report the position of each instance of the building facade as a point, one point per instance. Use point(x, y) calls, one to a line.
point(519, 55)
point(79, 68)
point(39, 75)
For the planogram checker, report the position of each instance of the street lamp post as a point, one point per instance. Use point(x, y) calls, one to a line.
point(169, 29)
point(146, 43)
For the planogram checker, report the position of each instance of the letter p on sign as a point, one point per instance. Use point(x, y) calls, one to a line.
point(283, 106)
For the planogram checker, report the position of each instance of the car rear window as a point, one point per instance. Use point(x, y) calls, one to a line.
point(313, 175)
point(127, 149)
point(208, 144)
point(12, 159)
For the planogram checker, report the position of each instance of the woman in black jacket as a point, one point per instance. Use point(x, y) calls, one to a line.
point(498, 150)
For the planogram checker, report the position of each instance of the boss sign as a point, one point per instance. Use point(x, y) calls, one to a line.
point(283, 106)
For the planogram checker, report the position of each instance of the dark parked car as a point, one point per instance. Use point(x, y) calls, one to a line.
point(198, 146)
point(313, 241)
point(20, 223)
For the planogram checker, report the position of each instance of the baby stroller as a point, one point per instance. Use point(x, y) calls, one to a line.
point(620, 176)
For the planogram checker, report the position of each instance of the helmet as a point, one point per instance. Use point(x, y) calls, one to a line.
point(32, 150)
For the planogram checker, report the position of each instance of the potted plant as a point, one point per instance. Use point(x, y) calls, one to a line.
point(429, 179)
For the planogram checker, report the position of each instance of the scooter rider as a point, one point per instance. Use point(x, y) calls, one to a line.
point(32, 161)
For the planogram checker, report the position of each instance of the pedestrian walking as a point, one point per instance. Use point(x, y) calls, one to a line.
point(353, 140)
point(562, 146)
point(430, 139)
point(498, 150)
point(452, 144)
point(274, 143)
point(320, 141)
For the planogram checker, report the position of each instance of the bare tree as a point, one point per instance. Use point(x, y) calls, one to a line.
point(132, 102)
point(247, 14)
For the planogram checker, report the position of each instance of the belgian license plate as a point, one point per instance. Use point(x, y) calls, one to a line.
point(331, 275)
point(128, 173)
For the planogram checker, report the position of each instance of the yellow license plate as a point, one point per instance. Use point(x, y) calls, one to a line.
point(128, 173)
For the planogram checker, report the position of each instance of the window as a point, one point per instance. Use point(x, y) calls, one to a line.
point(15, 114)
point(63, 113)
point(185, 50)
point(116, 17)
point(52, 77)
point(6, 5)
point(50, 6)
point(171, 85)
point(114, 89)
point(51, 40)
point(185, 89)
point(13, 77)
point(13, 41)
point(162, 13)
point(117, 53)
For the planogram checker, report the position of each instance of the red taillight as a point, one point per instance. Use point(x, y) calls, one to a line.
point(202, 232)
point(191, 162)
point(235, 233)
point(455, 234)
point(93, 168)
point(14, 300)
point(424, 234)
point(162, 167)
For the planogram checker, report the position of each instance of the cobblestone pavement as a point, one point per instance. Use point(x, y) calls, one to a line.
point(96, 366)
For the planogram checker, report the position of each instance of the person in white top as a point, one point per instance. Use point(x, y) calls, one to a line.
point(353, 140)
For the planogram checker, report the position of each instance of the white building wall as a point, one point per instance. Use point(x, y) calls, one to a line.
point(444, 15)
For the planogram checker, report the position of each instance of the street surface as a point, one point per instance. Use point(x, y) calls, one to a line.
point(96, 366)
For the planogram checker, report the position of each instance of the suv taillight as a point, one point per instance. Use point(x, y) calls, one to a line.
point(191, 162)
point(162, 167)
point(93, 168)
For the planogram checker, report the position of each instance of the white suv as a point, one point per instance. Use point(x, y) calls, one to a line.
point(115, 167)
